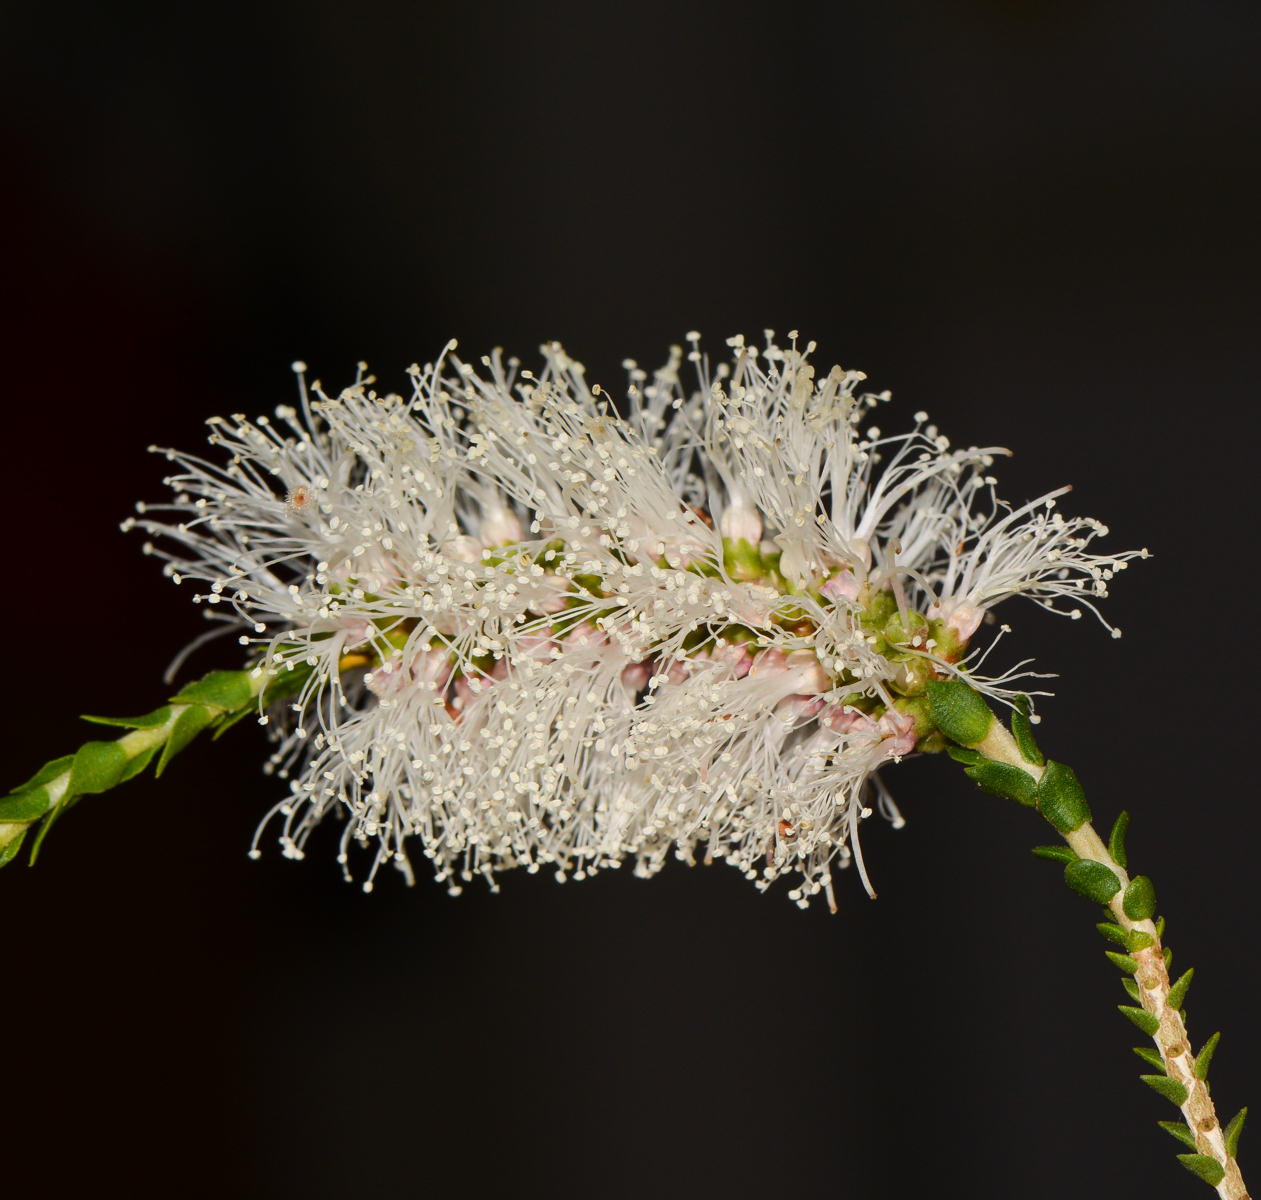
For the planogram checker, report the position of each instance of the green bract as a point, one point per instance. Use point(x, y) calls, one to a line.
point(1061, 799)
point(1001, 779)
point(1140, 899)
point(1022, 731)
point(959, 711)
point(1092, 880)
point(1208, 1169)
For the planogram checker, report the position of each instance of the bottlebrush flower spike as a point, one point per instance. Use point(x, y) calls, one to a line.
point(529, 630)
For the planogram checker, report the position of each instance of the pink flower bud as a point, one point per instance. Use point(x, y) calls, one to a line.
point(635, 677)
point(736, 655)
point(898, 732)
point(850, 723)
point(962, 618)
point(811, 677)
point(843, 584)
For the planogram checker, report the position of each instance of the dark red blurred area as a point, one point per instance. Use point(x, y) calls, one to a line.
point(1036, 221)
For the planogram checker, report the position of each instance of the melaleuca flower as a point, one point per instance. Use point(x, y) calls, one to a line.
point(530, 629)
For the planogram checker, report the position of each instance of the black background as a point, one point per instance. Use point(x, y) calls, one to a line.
point(1037, 221)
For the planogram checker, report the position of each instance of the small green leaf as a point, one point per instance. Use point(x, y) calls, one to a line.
point(1208, 1169)
point(191, 722)
point(220, 689)
point(1131, 989)
point(1205, 1057)
point(10, 852)
point(159, 716)
point(1137, 940)
point(1002, 779)
point(1061, 799)
point(1116, 840)
point(49, 821)
point(1160, 927)
point(1233, 1130)
point(1115, 933)
point(1139, 901)
point(228, 721)
point(1056, 853)
point(1022, 731)
point(47, 773)
point(1141, 1017)
point(1178, 992)
point(959, 711)
point(1179, 1130)
point(1092, 880)
point(1123, 961)
point(98, 766)
point(25, 806)
point(962, 754)
point(1168, 954)
point(1171, 1089)
point(138, 764)
point(1150, 1057)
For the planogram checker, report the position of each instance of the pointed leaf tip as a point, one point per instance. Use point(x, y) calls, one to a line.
point(1151, 1057)
point(1205, 1056)
point(220, 689)
point(1064, 854)
point(1208, 1169)
point(1005, 781)
point(1180, 1131)
point(10, 851)
point(1178, 992)
point(1141, 1017)
point(1171, 1089)
point(159, 716)
point(1116, 841)
point(190, 723)
point(1022, 732)
point(1233, 1130)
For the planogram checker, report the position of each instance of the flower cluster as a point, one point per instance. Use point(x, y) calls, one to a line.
point(535, 629)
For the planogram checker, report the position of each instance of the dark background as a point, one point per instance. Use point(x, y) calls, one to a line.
point(1038, 221)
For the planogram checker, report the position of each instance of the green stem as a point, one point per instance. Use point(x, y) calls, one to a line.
point(213, 701)
point(1130, 901)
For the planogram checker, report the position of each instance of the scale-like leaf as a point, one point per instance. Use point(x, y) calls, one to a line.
point(1171, 1089)
point(1205, 1056)
point(1116, 840)
point(228, 690)
point(1179, 1130)
point(191, 722)
point(1208, 1169)
point(98, 766)
point(159, 716)
point(1141, 1017)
